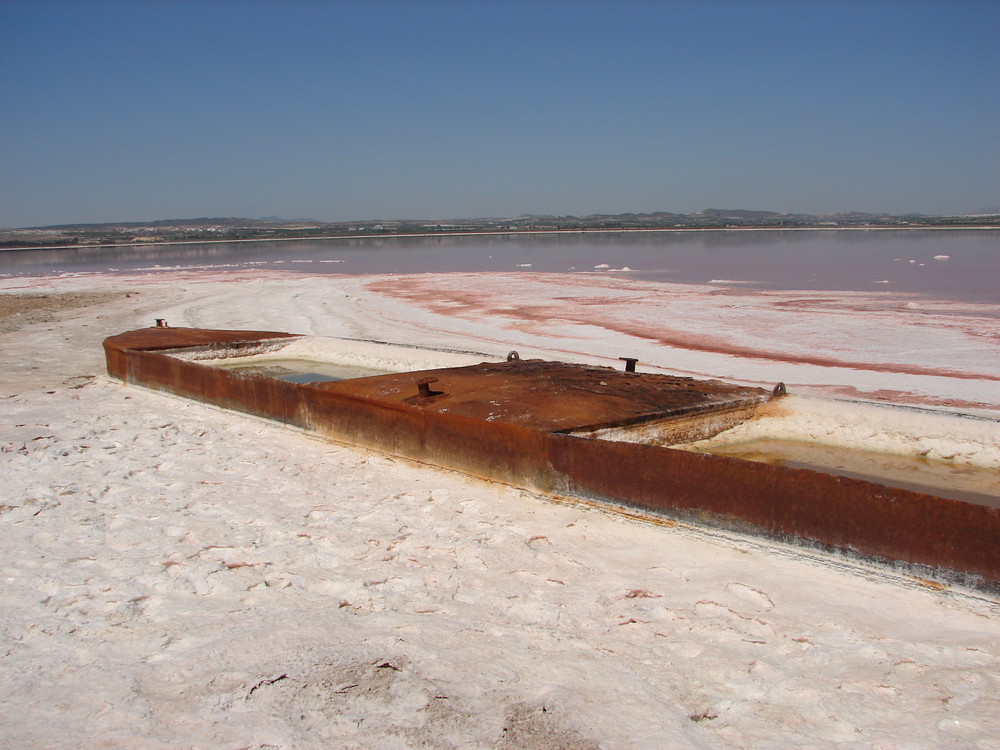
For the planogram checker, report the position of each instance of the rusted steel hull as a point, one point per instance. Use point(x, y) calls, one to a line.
point(941, 539)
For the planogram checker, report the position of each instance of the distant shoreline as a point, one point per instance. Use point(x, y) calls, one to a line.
point(500, 233)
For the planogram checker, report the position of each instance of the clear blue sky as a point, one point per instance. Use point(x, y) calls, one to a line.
point(140, 110)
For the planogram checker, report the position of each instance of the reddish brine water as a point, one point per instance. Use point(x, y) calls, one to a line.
point(946, 264)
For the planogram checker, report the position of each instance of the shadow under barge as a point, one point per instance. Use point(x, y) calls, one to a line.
point(585, 432)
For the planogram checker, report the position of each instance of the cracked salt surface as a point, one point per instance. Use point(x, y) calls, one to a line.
point(179, 576)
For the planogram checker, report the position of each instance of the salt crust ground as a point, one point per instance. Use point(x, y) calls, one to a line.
point(177, 576)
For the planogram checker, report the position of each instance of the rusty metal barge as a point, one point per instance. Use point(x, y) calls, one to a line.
point(595, 433)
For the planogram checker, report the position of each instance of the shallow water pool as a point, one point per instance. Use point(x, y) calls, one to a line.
point(941, 478)
point(299, 370)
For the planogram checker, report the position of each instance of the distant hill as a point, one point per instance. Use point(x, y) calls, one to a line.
point(226, 221)
point(279, 220)
point(738, 213)
point(222, 229)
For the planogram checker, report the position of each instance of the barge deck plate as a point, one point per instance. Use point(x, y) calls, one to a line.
point(550, 396)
